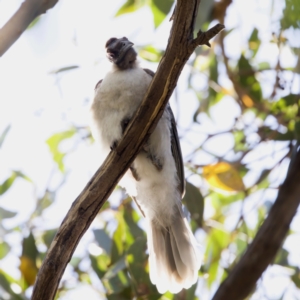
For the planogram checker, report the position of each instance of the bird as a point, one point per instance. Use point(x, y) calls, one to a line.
point(155, 180)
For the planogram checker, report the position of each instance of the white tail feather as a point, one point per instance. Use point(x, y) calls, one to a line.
point(173, 256)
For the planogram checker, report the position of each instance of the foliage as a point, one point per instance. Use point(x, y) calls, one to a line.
point(225, 196)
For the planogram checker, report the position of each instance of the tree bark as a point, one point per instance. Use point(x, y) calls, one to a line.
point(84, 209)
point(17, 24)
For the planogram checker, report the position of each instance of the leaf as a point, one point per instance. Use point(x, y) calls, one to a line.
point(5, 284)
point(291, 14)
point(248, 82)
point(137, 260)
point(115, 279)
point(254, 41)
point(130, 6)
point(4, 249)
point(7, 183)
point(194, 201)
point(29, 247)
point(103, 239)
point(296, 278)
point(4, 134)
point(164, 6)
point(28, 269)
point(54, 141)
point(49, 236)
point(119, 237)
point(223, 176)
point(282, 258)
point(158, 15)
point(150, 53)
point(4, 214)
point(100, 264)
point(64, 69)
point(28, 258)
point(34, 22)
point(204, 13)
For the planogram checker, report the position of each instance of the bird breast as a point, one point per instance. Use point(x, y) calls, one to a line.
point(117, 97)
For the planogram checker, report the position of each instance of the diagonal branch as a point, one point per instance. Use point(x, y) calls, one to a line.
point(84, 209)
point(268, 240)
point(17, 24)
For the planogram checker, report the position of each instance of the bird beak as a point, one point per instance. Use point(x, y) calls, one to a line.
point(116, 56)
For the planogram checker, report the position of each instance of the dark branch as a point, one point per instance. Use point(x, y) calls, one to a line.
point(267, 242)
point(17, 24)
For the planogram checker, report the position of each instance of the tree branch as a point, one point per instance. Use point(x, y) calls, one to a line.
point(268, 240)
point(84, 209)
point(17, 24)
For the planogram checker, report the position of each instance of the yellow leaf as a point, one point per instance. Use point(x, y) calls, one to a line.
point(247, 101)
point(28, 269)
point(223, 176)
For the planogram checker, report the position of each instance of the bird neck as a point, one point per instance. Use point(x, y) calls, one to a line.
point(128, 61)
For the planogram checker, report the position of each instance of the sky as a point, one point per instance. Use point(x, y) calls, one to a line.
point(37, 103)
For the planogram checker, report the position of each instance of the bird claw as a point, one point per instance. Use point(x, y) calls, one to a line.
point(114, 145)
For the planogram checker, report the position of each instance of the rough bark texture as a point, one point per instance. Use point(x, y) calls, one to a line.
point(84, 209)
point(261, 252)
point(17, 24)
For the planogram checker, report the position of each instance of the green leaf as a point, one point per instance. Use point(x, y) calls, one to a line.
point(220, 200)
point(296, 278)
point(49, 236)
point(194, 202)
point(204, 13)
point(282, 258)
point(6, 213)
point(164, 6)
point(4, 249)
point(136, 259)
point(5, 283)
point(291, 14)
point(248, 81)
point(115, 279)
point(54, 141)
point(100, 264)
point(29, 247)
point(115, 268)
point(130, 6)
point(150, 53)
point(4, 134)
point(34, 22)
point(158, 15)
point(7, 183)
point(118, 240)
point(103, 239)
point(254, 41)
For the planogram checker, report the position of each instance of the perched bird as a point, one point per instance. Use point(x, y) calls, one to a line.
point(155, 180)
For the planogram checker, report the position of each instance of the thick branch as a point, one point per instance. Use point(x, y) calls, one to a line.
point(94, 195)
point(267, 242)
point(17, 24)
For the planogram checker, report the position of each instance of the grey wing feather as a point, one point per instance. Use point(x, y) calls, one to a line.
point(176, 151)
point(175, 146)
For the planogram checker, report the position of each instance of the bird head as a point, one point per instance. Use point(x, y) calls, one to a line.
point(120, 52)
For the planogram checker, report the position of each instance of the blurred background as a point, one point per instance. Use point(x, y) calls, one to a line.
point(237, 110)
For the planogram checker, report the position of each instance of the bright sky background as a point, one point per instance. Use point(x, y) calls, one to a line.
point(37, 103)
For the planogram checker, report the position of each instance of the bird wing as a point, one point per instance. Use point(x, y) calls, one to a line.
point(175, 146)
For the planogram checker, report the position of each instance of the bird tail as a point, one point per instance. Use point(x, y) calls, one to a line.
point(173, 257)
